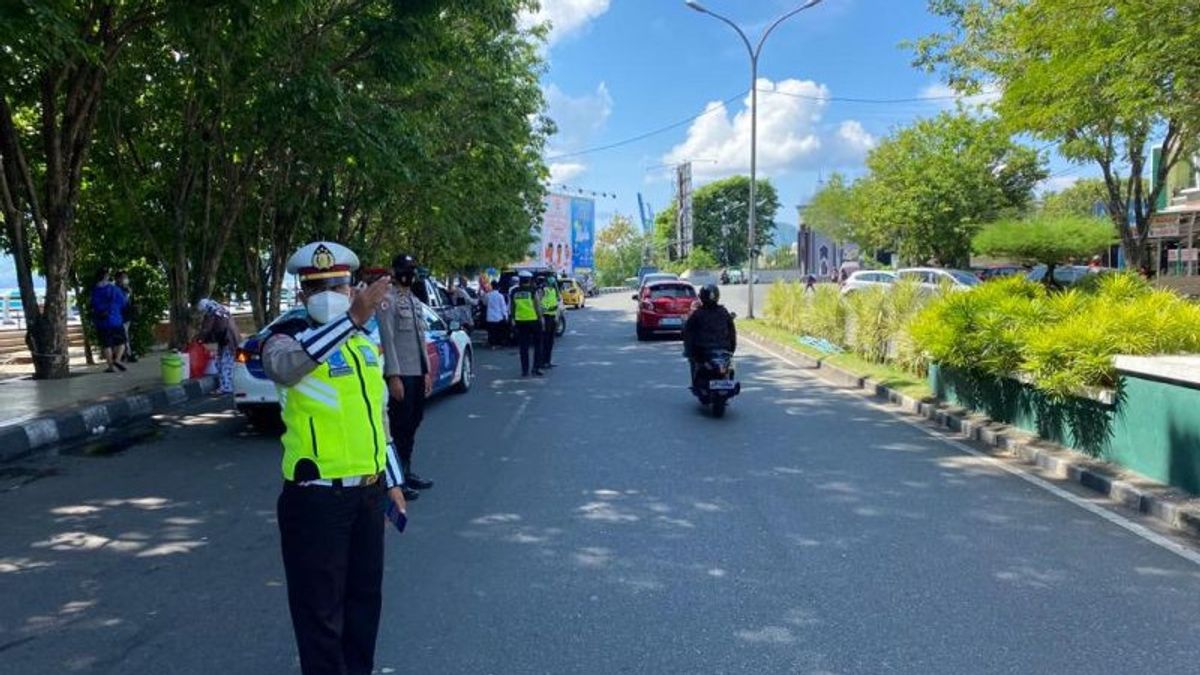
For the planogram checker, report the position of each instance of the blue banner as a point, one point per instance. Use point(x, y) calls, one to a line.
point(583, 233)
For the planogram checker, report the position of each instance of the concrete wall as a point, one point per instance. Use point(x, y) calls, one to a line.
point(1151, 427)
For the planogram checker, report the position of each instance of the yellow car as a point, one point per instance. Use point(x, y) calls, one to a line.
point(572, 293)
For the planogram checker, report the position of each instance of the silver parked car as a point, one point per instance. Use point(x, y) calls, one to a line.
point(934, 278)
point(868, 279)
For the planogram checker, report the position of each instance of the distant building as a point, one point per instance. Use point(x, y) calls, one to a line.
point(1175, 226)
point(819, 254)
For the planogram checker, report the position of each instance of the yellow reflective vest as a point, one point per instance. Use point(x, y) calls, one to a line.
point(550, 301)
point(523, 308)
point(335, 415)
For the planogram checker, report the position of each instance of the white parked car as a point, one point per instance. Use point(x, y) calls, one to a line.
point(450, 355)
point(868, 279)
point(932, 278)
point(699, 278)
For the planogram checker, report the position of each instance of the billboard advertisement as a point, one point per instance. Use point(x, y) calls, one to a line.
point(583, 234)
point(555, 249)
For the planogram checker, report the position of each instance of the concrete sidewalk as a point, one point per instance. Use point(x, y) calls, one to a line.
point(38, 413)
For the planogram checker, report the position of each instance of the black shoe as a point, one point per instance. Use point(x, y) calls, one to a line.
point(524, 374)
point(409, 493)
point(120, 366)
point(538, 373)
point(414, 481)
point(131, 359)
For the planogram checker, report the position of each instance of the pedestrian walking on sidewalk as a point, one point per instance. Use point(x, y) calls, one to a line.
point(108, 307)
point(128, 315)
point(337, 460)
point(218, 327)
point(497, 317)
point(527, 322)
point(405, 366)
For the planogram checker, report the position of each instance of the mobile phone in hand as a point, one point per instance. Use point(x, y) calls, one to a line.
point(394, 514)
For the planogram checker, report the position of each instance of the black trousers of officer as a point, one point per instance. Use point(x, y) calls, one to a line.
point(529, 334)
point(405, 417)
point(549, 328)
point(332, 540)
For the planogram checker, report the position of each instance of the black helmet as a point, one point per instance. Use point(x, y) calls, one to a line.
point(710, 295)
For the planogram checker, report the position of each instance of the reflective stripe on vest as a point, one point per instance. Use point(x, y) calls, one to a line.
point(523, 307)
point(335, 415)
point(550, 301)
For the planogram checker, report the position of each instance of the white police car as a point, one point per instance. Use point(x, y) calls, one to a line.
point(450, 355)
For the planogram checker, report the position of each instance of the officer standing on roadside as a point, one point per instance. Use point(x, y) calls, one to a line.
point(527, 320)
point(406, 367)
point(337, 459)
point(551, 306)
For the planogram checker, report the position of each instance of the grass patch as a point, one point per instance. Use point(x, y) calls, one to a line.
point(893, 378)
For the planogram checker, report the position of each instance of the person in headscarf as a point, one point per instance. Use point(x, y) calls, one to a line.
point(218, 327)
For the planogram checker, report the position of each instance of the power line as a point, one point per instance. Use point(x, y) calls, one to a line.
point(648, 134)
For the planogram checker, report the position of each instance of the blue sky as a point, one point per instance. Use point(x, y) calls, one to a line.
point(621, 68)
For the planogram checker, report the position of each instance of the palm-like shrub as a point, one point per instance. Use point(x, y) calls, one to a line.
point(1063, 342)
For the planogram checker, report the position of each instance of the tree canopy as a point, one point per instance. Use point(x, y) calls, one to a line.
point(721, 218)
point(1099, 80)
point(932, 185)
point(1045, 239)
point(213, 138)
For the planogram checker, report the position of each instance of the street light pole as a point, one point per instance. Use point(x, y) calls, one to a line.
point(754, 53)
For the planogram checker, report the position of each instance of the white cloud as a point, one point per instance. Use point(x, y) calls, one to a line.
point(562, 172)
point(565, 17)
point(790, 134)
point(579, 120)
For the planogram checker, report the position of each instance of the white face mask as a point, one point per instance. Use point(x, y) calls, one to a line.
point(327, 305)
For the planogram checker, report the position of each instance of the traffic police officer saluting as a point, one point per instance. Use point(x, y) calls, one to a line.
point(337, 458)
point(527, 318)
point(551, 306)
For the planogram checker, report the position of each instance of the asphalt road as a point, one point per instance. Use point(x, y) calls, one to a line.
point(596, 521)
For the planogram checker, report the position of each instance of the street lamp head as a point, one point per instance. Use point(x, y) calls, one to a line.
point(696, 6)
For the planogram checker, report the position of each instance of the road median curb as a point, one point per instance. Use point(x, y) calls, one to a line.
point(91, 418)
point(1167, 505)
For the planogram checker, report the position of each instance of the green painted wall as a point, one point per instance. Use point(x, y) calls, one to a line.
point(1153, 428)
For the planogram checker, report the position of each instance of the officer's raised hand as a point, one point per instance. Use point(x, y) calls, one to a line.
point(367, 300)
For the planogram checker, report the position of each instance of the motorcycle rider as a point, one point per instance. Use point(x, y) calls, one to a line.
point(709, 328)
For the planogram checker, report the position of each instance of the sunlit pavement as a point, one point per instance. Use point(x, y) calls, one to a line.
point(596, 521)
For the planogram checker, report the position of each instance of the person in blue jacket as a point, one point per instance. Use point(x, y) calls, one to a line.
point(108, 317)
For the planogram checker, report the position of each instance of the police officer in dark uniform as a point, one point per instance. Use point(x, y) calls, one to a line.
point(526, 308)
point(551, 306)
point(338, 463)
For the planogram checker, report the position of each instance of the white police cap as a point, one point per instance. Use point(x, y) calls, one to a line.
point(323, 261)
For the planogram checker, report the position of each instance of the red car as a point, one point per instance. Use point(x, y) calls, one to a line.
point(663, 307)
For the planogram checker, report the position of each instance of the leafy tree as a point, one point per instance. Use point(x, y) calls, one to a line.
point(781, 258)
point(55, 60)
point(665, 244)
point(1097, 79)
point(934, 184)
point(1079, 199)
point(721, 213)
point(1045, 239)
point(697, 259)
point(619, 250)
point(831, 210)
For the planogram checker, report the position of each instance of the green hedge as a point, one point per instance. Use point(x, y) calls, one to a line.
point(1063, 342)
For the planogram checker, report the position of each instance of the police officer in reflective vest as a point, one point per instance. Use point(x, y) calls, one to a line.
point(338, 463)
point(527, 321)
point(551, 306)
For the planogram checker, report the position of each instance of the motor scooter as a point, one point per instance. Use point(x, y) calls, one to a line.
point(714, 381)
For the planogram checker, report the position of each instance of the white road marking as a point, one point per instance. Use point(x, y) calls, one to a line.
point(515, 419)
point(1142, 531)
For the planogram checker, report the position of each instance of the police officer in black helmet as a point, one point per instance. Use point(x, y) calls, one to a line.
point(709, 328)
